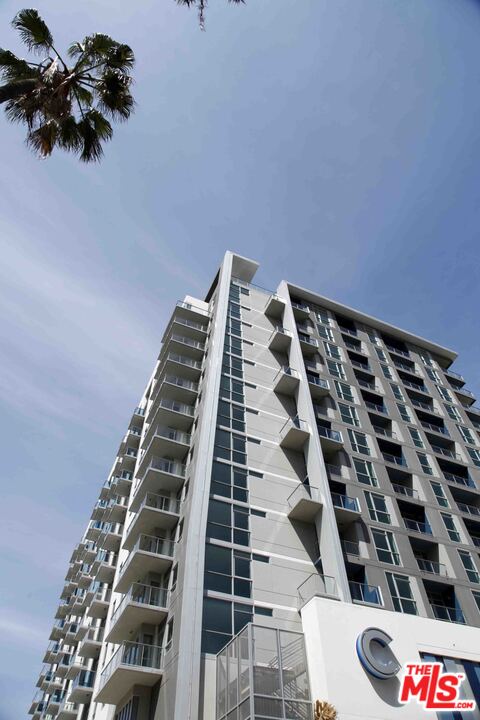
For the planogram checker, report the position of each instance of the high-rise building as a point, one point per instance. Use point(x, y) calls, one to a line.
point(296, 473)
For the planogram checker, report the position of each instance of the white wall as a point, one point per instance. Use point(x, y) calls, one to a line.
point(331, 629)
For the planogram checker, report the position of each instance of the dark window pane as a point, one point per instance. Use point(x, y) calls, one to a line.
point(213, 642)
point(220, 583)
point(219, 532)
point(219, 512)
point(243, 588)
point(217, 615)
point(218, 559)
point(240, 537)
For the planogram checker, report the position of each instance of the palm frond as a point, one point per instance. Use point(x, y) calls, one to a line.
point(69, 135)
point(33, 31)
point(84, 95)
point(14, 68)
point(94, 129)
point(121, 58)
point(43, 139)
point(75, 49)
point(114, 97)
point(15, 88)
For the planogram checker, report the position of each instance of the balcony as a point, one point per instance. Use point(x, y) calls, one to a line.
point(449, 614)
point(280, 339)
point(304, 503)
point(99, 604)
point(149, 554)
point(428, 407)
point(309, 345)
point(385, 432)
point(417, 526)
point(376, 408)
point(351, 547)
point(99, 509)
point(91, 644)
point(173, 363)
point(176, 388)
point(431, 567)
point(347, 509)
point(405, 490)
point(330, 439)
point(394, 459)
point(286, 381)
point(117, 509)
point(38, 704)
point(184, 325)
point(82, 687)
point(143, 604)
point(317, 585)
point(465, 394)
point(95, 529)
point(111, 537)
point(468, 509)
point(435, 428)
point(446, 452)
point(318, 386)
point(52, 653)
point(415, 386)
point(54, 702)
point(177, 343)
point(155, 511)
point(365, 366)
point(451, 373)
point(160, 474)
point(397, 350)
point(122, 483)
point(174, 414)
point(363, 593)
point(132, 664)
point(68, 710)
point(459, 479)
point(294, 434)
point(192, 311)
point(301, 310)
point(275, 306)
point(165, 442)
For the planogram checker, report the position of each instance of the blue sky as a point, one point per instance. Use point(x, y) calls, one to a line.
point(334, 141)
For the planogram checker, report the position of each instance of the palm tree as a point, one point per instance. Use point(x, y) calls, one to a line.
point(66, 106)
point(201, 5)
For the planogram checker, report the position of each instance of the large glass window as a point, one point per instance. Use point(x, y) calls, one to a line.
point(386, 546)
point(231, 389)
point(475, 456)
point(466, 434)
point(433, 375)
point(228, 571)
point(397, 391)
point(387, 372)
point(424, 462)
point(401, 592)
point(404, 412)
point(221, 620)
point(365, 472)
point(453, 412)
point(232, 365)
point(232, 416)
point(336, 369)
point(381, 355)
point(344, 391)
point(227, 522)
point(332, 351)
point(229, 482)
point(449, 523)
point(322, 316)
point(416, 437)
point(349, 414)
point(444, 393)
point(377, 507)
point(469, 565)
point(359, 442)
point(325, 332)
point(229, 446)
point(439, 494)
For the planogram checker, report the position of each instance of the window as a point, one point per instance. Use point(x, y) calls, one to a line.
point(453, 412)
point(221, 620)
point(358, 442)
point(232, 365)
point(381, 355)
point(336, 369)
point(404, 413)
point(476, 597)
point(377, 507)
point(349, 414)
point(469, 565)
point(322, 316)
point(466, 434)
point(424, 462)
point(374, 339)
point(401, 592)
point(231, 389)
point(475, 455)
point(386, 547)
point(397, 391)
point(229, 523)
point(387, 372)
point(229, 446)
point(232, 416)
point(344, 391)
point(365, 472)
point(433, 375)
point(332, 351)
point(227, 571)
point(439, 493)
point(426, 359)
point(229, 482)
point(325, 332)
point(416, 437)
point(444, 393)
point(232, 345)
point(449, 523)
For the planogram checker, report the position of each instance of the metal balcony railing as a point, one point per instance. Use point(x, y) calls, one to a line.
point(143, 595)
point(470, 509)
point(451, 614)
point(394, 459)
point(383, 431)
point(176, 406)
point(417, 526)
point(345, 502)
point(446, 452)
point(134, 655)
point(432, 567)
point(435, 428)
point(194, 308)
point(320, 382)
point(317, 585)
point(85, 678)
point(150, 544)
point(377, 408)
point(458, 479)
point(405, 490)
point(392, 348)
point(334, 435)
point(351, 547)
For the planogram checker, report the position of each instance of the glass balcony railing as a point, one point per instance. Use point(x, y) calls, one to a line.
point(405, 490)
point(397, 351)
point(181, 382)
point(376, 408)
point(150, 544)
point(172, 434)
point(423, 405)
point(319, 382)
point(414, 386)
point(307, 339)
point(454, 374)
point(176, 406)
point(469, 509)
point(84, 679)
point(175, 357)
point(188, 341)
point(432, 567)
point(417, 526)
point(394, 459)
point(385, 432)
point(345, 502)
point(458, 479)
point(317, 585)
point(190, 323)
point(134, 655)
point(450, 614)
point(346, 330)
point(143, 595)
point(330, 434)
point(361, 592)
point(446, 452)
point(300, 306)
point(194, 308)
point(139, 411)
point(351, 547)
point(167, 466)
point(435, 428)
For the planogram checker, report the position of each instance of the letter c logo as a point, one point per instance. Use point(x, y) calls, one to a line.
point(375, 654)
